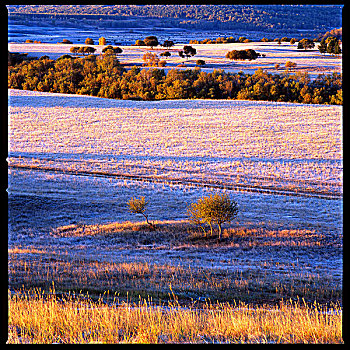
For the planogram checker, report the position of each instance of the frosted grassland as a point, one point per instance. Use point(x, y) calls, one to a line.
point(281, 146)
point(78, 159)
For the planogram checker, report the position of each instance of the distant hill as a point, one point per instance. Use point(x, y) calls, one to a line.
point(273, 18)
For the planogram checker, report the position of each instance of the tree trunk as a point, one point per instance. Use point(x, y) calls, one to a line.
point(219, 225)
point(211, 229)
point(153, 228)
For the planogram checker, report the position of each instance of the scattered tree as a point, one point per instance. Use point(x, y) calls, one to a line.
point(165, 54)
point(215, 209)
point(337, 49)
point(117, 50)
point(74, 49)
point(305, 44)
point(102, 41)
point(89, 41)
point(110, 50)
point(138, 206)
point(89, 49)
point(168, 43)
point(221, 40)
point(83, 50)
point(248, 54)
point(322, 47)
point(200, 62)
point(151, 41)
point(293, 41)
point(105, 49)
point(152, 60)
point(140, 43)
point(189, 51)
point(290, 65)
point(66, 41)
point(333, 46)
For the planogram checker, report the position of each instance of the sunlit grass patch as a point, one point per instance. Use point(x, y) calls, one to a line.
point(39, 318)
point(17, 250)
point(78, 230)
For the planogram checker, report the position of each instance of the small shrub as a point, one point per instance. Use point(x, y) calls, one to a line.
point(102, 41)
point(290, 65)
point(248, 54)
point(89, 41)
point(140, 43)
point(151, 59)
point(165, 54)
point(138, 206)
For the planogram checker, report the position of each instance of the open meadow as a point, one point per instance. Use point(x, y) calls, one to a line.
point(74, 162)
point(311, 60)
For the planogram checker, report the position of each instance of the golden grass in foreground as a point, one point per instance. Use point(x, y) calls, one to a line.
point(39, 318)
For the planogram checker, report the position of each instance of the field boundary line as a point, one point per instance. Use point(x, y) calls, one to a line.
point(209, 184)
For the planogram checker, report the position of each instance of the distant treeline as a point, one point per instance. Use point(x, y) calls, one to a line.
point(336, 33)
point(105, 77)
point(243, 17)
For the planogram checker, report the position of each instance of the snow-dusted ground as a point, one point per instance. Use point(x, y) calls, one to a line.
point(79, 159)
point(281, 146)
point(213, 54)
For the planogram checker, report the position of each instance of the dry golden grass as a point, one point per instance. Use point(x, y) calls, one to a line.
point(188, 282)
point(39, 318)
point(117, 227)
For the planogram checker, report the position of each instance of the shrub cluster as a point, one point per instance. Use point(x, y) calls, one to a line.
point(247, 54)
point(212, 210)
point(82, 49)
point(152, 60)
point(104, 77)
point(221, 40)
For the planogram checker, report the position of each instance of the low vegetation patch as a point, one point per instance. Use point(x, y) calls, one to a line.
point(233, 276)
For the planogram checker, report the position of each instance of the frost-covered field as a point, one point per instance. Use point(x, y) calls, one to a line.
point(264, 146)
point(213, 54)
point(79, 159)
